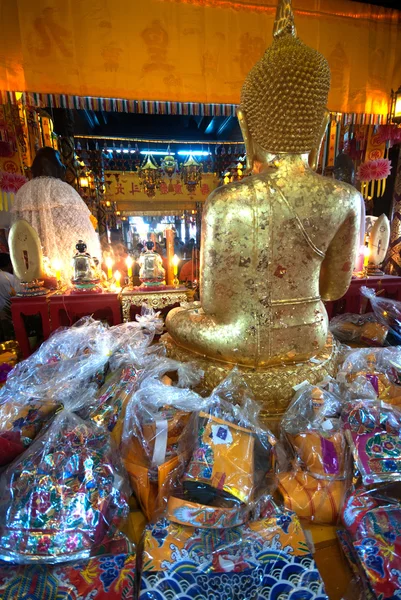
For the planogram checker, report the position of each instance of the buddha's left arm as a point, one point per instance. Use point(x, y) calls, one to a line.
point(338, 265)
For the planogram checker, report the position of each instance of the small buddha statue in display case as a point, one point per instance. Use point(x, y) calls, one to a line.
point(85, 277)
point(151, 270)
point(276, 244)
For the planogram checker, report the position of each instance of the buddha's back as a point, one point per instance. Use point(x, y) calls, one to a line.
point(264, 245)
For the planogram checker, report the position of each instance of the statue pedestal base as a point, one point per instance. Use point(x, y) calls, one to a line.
point(273, 387)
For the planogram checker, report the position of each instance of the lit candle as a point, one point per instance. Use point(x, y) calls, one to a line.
point(176, 260)
point(129, 261)
point(366, 253)
point(57, 268)
point(109, 264)
point(117, 278)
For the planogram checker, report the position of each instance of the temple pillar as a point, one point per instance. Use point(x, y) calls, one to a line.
point(392, 262)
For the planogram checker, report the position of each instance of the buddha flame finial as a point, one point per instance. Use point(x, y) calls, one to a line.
point(284, 22)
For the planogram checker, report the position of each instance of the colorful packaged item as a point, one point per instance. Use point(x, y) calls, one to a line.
point(108, 407)
point(373, 431)
point(233, 452)
point(65, 496)
point(158, 432)
point(356, 329)
point(387, 312)
point(21, 419)
point(373, 531)
point(313, 480)
point(380, 368)
point(108, 577)
point(310, 498)
point(264, 559)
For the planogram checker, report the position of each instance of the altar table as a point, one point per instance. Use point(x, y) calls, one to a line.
point(66, 309)
point(27, 306)
point(354, 302)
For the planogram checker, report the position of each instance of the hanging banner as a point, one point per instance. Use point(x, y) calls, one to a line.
point(125, 187)
point(197, 51)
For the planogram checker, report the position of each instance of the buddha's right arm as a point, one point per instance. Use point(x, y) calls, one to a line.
point(338, 265)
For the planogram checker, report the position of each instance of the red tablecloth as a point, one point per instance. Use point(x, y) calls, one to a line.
point(354, 302)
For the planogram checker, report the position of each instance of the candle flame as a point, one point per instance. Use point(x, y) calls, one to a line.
point(129, 261)
point(176, 260)
point(117, 276)
point(109, 262)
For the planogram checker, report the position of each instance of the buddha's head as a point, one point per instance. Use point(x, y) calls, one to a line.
point(284, 96)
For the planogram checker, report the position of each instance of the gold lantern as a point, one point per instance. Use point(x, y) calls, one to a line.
point(150, 175)
point(169, 165)
point(191, 173)
point(395, 110)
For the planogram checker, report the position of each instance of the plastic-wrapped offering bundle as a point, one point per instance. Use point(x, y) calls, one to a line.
point(373, 372)
point(157, 431)
point(65, 495)
point(313, 484)
point(373, 431)
point(372, 540)
point(366, 329)
point(226, 557)
point(233, 452)
point(68, 362)
point(387, 312)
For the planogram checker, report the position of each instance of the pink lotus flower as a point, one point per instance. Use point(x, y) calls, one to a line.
point(374, 169)
point(383, 168)
point(365, 171)
point(11, 182)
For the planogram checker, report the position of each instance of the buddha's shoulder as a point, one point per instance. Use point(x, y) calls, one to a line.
point(228, 193)
point(336, 190)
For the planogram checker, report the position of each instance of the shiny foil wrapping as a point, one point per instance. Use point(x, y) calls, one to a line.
point(63, 497)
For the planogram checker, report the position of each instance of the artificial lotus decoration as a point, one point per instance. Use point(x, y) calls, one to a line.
point(374, 172)
point(11, 182)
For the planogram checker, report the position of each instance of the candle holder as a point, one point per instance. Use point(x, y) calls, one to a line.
point(176, 281)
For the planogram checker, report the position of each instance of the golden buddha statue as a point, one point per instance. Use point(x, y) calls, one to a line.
point(277, 243)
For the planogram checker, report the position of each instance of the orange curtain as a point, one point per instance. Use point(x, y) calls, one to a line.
point(190, 50)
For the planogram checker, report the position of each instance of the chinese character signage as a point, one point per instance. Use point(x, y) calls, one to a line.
point(126, 186)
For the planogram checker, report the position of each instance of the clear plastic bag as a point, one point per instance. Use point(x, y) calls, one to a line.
point(157, 417)
point(263, 558)
point(366, 329)
point(372, 540)
point(387, 312)
point(373, 431)
point(64, 496)
point(379, 369)
point(312, 482)
point(72, 363)
point(233, 454)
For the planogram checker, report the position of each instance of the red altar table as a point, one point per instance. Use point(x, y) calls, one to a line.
point(66, 309)
point(354, 302)
point(27, 306)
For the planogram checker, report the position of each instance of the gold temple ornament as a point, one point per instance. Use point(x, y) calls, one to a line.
point(191, 173)
point(150, 175)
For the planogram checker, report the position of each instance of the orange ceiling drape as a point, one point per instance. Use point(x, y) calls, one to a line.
point(190, 50)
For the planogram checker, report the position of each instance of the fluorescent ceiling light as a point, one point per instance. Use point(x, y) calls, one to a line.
point(194, 153)
point(157, 152)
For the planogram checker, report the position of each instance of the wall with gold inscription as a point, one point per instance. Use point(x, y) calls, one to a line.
point(126, 190)
point(190, 50)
